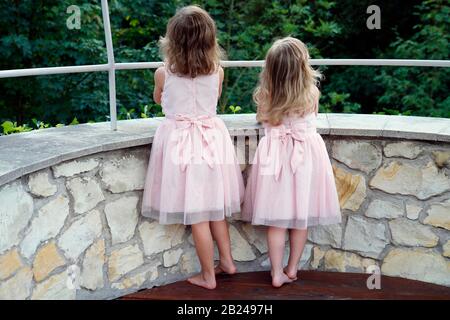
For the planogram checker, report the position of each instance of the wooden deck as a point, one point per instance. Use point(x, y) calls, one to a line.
point(312, 285)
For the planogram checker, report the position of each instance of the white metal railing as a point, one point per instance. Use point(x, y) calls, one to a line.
point(111, 66)
point(228, 64)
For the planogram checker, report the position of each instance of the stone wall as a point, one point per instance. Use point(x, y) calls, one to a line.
point(80, 220)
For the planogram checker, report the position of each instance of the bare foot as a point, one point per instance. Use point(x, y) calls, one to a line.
point(291, 273)
point(279, 279)
point(201, 281)
point(225, 267)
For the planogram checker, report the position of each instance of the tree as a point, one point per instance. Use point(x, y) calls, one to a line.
point(420, 91)
point(33, 33)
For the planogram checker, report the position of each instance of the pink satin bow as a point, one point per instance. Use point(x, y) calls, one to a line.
point(278, 138)
point(186, 144)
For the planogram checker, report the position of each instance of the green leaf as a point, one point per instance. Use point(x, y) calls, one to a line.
point(8, 127)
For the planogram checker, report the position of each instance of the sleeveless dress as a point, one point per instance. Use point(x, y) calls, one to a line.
point(291, 183)
point(193, 174)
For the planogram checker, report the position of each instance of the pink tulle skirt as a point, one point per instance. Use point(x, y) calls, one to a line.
point(291, 183)
point(193, 174)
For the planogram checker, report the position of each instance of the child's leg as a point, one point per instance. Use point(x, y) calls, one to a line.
point(205, 250)
point(221, 235)
point(297, 240)
point(276, 242)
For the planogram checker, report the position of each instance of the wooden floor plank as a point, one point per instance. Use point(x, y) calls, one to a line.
point(310, 285)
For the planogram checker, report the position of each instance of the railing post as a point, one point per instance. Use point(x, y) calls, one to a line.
point(111, 64)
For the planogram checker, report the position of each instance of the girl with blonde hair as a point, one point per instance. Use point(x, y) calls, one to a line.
point(291, 184)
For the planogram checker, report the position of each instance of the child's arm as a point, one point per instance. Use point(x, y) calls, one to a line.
point(159, 84)
point(221, 75)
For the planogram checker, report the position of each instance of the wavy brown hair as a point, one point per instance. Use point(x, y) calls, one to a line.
point(190, 45)
point(288, 83)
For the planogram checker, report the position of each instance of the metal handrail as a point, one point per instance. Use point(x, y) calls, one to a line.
point(111, 66)
point(227, 64)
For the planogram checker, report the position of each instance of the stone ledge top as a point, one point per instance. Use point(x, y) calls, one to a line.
point(28, 152)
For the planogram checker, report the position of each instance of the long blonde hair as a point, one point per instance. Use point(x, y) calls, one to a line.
point(190, 45)
point(287, 84)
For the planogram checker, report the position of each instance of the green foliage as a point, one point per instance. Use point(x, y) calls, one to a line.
point(248, 28)
point(12, 127)
point(424, 91)
point(74, 122)
point(9, 127)
point(144, 112)
point(235, 109)
point(338, 102)
point(33, 33)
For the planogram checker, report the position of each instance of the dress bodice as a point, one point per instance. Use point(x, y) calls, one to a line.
point(305, 123)
point(190, 96)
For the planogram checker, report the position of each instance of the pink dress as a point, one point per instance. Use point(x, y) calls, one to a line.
point(193, 174)
point(291, 183)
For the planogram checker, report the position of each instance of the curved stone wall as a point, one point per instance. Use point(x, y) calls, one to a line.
point(71, 228)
